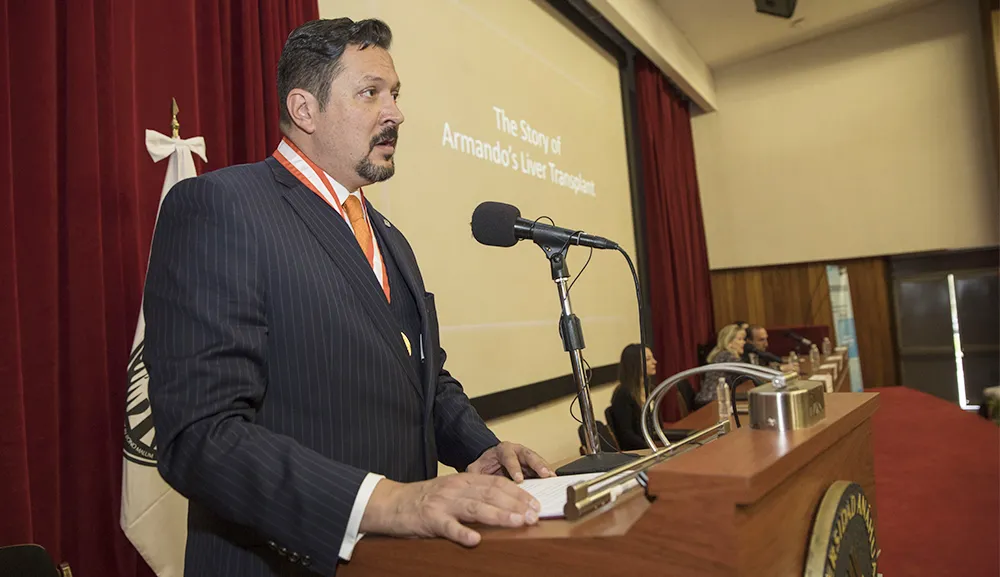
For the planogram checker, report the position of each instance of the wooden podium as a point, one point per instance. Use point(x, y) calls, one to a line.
point(743, 504)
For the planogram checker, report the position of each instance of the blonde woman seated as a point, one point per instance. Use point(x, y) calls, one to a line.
point(728, 349)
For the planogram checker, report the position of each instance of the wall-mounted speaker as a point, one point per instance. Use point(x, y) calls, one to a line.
point(783, 8)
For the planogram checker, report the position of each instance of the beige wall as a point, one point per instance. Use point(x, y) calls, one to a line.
point(646, 26)
point(548, 429)
point(870, 141)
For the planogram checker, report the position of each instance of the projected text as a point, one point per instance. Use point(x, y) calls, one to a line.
point(520, 160)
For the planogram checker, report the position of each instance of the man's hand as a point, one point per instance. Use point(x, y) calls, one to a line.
point(516, 460)
point(437, 508)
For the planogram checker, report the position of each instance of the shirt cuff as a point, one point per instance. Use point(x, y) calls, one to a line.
point(351, 536)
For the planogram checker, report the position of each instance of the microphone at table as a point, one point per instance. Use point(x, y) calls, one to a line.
point(499, 224)
point(797, 337)
point(769, 357)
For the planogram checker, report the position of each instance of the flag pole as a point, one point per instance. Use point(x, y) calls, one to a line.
point(175, 126)
point(153, 515)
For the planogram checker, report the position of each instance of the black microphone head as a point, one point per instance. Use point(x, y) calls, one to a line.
point(801, 339)
point(493, 223)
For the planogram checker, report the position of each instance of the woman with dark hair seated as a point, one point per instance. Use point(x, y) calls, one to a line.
point(630, 396)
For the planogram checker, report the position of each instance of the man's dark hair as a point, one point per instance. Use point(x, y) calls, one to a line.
point(311, 56)
point(751, 329)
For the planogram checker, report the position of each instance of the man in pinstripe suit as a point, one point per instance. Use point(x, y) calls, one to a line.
point(297, 385)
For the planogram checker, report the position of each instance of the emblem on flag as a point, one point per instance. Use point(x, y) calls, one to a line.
point(140, 437)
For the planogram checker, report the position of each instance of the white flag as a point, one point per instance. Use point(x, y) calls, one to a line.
point(154, 516)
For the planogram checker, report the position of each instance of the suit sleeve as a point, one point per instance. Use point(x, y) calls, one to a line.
point(206, 339)
point(460, 433)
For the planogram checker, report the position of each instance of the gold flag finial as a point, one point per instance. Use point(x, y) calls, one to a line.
point(175, 126)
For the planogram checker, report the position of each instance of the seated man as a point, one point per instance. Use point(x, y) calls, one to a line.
point(757, 341)
point(756, 352)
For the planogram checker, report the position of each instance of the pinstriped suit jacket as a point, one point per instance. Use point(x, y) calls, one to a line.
point(278, 377)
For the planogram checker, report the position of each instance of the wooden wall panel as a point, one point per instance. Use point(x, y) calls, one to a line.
point(799, 294)
point(873, 321)
point(737, 294)
point(780, 295)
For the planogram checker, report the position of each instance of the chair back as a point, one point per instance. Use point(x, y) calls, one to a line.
point(685, 397)
point(28, 560)
point(610, 417)
point(703, 350)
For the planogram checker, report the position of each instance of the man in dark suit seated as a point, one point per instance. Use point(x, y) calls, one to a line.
point(296, 379)
point(756, 352)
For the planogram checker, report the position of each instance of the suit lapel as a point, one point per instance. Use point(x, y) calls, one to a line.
point(401, 257)
point(339, 243)
point(389, 242)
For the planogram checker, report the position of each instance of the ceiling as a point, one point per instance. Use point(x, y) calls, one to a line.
point(727, 31)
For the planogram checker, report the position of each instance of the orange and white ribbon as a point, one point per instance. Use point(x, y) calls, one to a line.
point(318, 181)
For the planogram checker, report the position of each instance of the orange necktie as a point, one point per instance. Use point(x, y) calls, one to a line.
point(357, 217)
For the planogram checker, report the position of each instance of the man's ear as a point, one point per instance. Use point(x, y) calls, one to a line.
point(303, 108)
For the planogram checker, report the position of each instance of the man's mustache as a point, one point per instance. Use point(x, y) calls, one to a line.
point(389, 133)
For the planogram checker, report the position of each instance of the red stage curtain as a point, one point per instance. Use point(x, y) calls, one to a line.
point(80, 81)
point(680, 292)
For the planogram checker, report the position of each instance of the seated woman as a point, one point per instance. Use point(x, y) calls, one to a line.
point(728, 349)
point(630, 396)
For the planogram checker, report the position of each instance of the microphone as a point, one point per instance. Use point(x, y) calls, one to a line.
point(499, 224)
point(801, 339)
point(769, 357)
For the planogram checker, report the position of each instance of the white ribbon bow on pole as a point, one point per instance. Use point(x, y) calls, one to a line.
point(180, 166)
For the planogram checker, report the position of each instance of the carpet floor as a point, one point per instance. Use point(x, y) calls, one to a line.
point(937, 487)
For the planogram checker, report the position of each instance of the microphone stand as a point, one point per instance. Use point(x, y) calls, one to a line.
point(571, 331)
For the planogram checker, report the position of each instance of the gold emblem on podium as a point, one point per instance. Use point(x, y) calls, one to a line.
point(843, 535)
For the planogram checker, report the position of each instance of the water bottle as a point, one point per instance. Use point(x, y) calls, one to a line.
point(827, 347)
point(793, 359)
point(722, 394)
point(814, 359)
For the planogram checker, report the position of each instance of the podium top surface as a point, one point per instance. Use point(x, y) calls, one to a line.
point(746, 463)
point(749, 463)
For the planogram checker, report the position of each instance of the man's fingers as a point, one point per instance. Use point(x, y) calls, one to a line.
point(475, 511)
point(511, 489)
point(536, 463)
point(451, 529)
point(510, 498)
point(509, 460)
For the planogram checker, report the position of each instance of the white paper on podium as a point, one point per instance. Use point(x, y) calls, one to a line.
point(834, 366)
point(826, 379)
point(551, 492)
